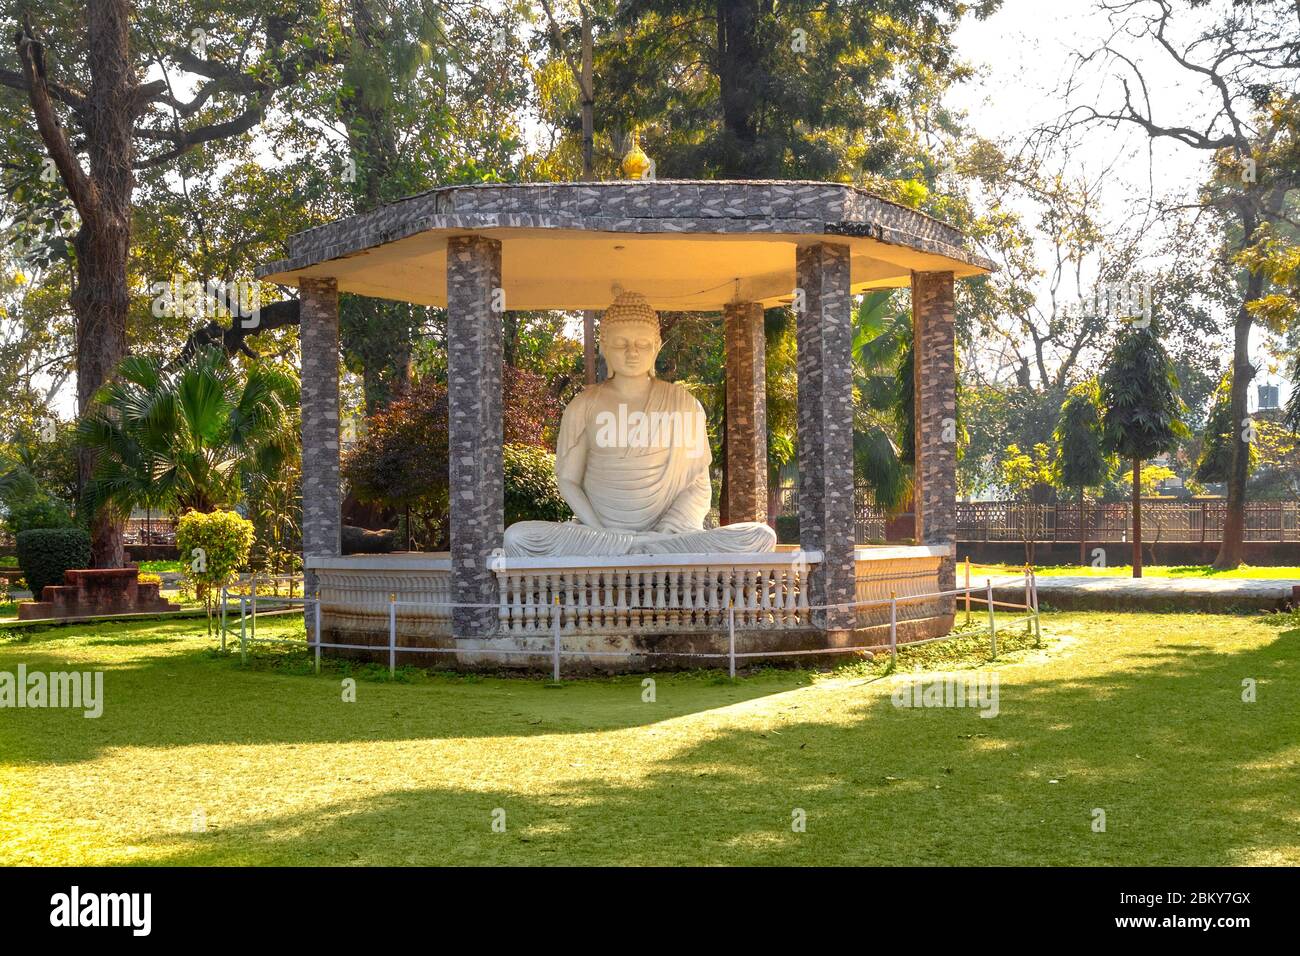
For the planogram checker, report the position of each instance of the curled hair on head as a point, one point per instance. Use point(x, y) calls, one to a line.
point(630, 308)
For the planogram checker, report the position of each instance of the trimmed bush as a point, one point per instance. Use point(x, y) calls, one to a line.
point(531, 493)
point(214, 547)
point(45, 553)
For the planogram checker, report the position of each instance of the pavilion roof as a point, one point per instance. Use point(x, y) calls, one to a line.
point(685, 244)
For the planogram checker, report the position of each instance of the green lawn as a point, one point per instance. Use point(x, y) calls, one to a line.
point(1125, 571)
point(158, 567)
point(1138, 715)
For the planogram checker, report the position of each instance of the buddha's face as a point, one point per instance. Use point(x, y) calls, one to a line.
point(630, 348)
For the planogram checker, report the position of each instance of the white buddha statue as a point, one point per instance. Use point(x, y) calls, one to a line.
point(632, 460)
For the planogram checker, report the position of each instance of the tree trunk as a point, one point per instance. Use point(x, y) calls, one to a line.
point(739, 82)
point(1083, 531)
point(1137, 517)
point(1232, 549)
point(103, 242)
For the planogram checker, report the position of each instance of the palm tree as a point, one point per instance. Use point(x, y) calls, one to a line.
point(190, 438)
point(883, 429)
point(16, 481)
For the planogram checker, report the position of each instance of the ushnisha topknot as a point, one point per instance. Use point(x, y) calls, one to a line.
point(630, 307)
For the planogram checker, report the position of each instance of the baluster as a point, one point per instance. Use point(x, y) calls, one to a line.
point(790, 596)
point(712, 597)
point(697, 596)
point(503, 602)
point(620, 598)
point(605, 596)
point(517, 602)
point(637, 600)
point(687, 576)
point(673, 578)
point(526, 598)
point(581, 601)
point(804, 614)
point(661, 602)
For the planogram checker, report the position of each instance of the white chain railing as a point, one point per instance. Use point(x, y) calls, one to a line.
point(550, 618)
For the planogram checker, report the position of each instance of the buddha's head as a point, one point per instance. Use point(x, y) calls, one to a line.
point(629, 336)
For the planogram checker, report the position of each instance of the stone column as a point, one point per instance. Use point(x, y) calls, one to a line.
point(935, 409)
point(321, 499)
point(746, 412)
point(825, 337)
point(475, 302)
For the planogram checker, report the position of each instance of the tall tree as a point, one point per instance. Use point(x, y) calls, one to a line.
point(1243, 58)
point(756, 89)
point(1080, 458)
point(233, 56)
point(1143, 413)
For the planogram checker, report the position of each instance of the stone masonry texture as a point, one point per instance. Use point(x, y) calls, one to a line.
point(655, 206)
point(746, 374)
point(824, 336)
point(475, 434)
point(321, 498)
point(935, 402)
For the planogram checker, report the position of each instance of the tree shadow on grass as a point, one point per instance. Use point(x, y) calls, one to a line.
point(1184, 770)
point(199, 697)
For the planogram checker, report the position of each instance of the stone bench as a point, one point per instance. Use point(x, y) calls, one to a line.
point(95, 591)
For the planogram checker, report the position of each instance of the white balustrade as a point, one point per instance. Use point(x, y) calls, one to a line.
point(631, 594)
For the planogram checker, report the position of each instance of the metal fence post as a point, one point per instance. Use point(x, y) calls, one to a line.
point(253, 587)
point(731, 640)
point(225, 596)
point(993, 626)
point(555, 639)
point(243, 628)
point(316, 628)
point(968, 590)
point(392, 635)
point(1028, 621)
point(893, 627)
point(1038, 627)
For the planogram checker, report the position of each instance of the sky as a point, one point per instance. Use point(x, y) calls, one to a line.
point(1023, 54)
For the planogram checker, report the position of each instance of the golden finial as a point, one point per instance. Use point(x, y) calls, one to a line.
point(636, 163)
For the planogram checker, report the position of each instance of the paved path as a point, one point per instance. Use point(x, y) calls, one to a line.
point(1191, 594)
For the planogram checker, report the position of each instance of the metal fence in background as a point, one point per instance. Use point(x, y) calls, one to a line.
point(1162, 521)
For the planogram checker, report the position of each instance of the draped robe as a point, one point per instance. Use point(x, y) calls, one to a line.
point(646, 475)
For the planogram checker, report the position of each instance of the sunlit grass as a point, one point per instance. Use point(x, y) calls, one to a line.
point(1151, 571)
point(200, 760)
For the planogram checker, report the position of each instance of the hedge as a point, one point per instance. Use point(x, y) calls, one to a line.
point(45, 553)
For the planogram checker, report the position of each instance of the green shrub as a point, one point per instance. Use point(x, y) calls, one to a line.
point(531, 493)
point(40, 511)
point(787, 529)
point(214, 546)
point(45, 553)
